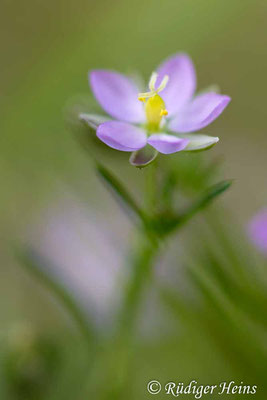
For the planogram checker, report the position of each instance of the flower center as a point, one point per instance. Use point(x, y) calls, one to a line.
point(154, 104)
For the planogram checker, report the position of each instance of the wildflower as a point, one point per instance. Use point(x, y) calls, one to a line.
point(257, 230)
point(164, 117)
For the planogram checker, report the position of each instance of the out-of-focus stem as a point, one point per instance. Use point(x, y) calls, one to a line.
point(141, 262)
point(121, 351)
point(151, 187)
point(142, 269)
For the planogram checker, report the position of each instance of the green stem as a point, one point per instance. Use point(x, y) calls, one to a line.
point(142, 268)
point(122, 348)
point(120, 354)
point(151, 187)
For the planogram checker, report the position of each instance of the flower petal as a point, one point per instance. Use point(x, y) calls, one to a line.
point(121, 136)
point(93, 120)
point(143, 157)
point(200, 112)
point(182, 81)
point(167, 144)
point(257, 230)
point(199, 142)
point(117, 94)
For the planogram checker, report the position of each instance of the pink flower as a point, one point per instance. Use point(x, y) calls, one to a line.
point(257, 230)
point(164, 117)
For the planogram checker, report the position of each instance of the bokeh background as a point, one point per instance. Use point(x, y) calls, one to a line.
point(51, 197)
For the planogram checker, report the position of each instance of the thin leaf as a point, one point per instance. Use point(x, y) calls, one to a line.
point(204, 200)
point(166, 222)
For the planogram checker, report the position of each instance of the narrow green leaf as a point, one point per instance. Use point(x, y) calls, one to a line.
point(206, 198)
point(167, 223)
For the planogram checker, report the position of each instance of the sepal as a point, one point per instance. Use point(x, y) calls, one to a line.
point(93, 120)
point(143, 157)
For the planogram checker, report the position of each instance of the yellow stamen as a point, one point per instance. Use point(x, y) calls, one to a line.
point(155, 110)
point(163, 112)
point(154, 104)
point(153, 91)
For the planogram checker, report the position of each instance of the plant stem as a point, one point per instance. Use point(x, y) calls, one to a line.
point(142, 263)
point(122, 348)
point(120, 354)
point(151, 187)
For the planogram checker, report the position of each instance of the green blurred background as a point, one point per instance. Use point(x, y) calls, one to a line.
point(47, 49)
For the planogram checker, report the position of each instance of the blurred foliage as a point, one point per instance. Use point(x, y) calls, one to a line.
point(217, 327)
point(230, 283)
point(30, 363)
